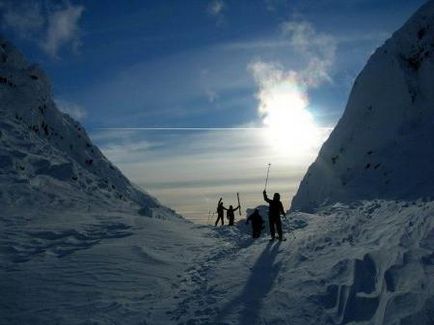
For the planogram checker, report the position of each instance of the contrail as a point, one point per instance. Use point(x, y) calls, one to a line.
point(185, 129)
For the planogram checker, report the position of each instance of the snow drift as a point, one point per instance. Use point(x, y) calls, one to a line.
point(383, 146)
point(46, 158)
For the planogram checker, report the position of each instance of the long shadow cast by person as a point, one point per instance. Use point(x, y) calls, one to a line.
point(260, 282)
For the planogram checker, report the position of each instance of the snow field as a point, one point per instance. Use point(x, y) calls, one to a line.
point(371, 263)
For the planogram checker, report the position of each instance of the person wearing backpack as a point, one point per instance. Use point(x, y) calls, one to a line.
point(230, 214)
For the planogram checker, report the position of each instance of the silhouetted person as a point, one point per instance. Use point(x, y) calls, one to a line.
point(274, 211)
point(220, 212)
point(230, 214)
point(257, 223)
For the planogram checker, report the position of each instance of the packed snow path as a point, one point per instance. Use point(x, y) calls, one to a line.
point(368, 264)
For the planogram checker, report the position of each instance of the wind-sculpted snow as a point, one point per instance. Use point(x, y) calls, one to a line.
point(383, 146)
point(365, 289)
point(369, 263)
point(46, 158)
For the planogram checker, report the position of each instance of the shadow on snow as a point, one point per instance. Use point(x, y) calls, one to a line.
point(260, 282)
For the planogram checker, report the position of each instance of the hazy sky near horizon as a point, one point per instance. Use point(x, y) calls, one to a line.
point(235, 85)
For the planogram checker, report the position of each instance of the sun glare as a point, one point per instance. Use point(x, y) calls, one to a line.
point(290, 126)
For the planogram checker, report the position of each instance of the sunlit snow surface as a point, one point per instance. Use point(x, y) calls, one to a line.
point(372, 263)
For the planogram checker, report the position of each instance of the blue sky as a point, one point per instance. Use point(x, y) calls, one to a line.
point(204, 64)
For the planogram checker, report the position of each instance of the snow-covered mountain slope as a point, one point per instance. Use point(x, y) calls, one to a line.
point(383, 146)
point(369, 264)
point(46, 158)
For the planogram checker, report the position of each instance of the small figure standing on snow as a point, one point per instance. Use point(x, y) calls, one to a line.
point(220, 212)
point(257, 223)
point(274, 211)
point(230, 214)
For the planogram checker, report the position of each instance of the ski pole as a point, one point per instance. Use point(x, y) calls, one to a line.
point(266, 180)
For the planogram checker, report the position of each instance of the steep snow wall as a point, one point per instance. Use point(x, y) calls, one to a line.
point(383, 146)
point(46, 158)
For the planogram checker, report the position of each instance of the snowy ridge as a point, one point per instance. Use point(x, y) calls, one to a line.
point(46, 158)
point(382, 146)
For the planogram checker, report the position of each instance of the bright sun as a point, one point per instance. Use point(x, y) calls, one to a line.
point(290, 126)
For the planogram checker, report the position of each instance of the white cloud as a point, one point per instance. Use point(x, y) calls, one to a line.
point(75, 111)
point(24, 18)
point(212, 95)
point(283, 95)
point(63, 29)
point(216, 7)
point(283, 109)
point(318, 51)
point(280, 87)
point(52, 26)
point(270, 78)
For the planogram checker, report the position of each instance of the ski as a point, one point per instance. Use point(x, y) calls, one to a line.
point(238, 198)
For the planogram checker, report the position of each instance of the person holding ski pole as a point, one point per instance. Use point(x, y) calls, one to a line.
point(220, 212)
point(230, 214)
point(275, 209)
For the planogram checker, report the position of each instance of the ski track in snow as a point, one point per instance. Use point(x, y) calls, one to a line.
point(372, 263)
